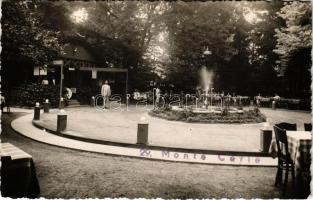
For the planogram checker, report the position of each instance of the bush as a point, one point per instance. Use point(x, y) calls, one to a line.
point(84, 94)
point(27, 95)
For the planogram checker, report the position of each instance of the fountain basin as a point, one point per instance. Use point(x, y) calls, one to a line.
point(210, 109)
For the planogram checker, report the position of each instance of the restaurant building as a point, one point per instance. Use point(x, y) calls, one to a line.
point(81, 70)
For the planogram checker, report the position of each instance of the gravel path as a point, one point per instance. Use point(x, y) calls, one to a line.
point(65, 173)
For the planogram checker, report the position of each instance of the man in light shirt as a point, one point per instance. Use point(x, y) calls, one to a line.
point(2, 98)
point(106, 93)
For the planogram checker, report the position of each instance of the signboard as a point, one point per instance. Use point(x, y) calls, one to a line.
point(58, 62)
point(94, 74)
point(73, 90)
point(41, 72)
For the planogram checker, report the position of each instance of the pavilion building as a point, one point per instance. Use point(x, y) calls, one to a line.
point(82, 69)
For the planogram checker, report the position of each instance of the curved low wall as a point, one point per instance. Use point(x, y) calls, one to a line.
point(24, 126)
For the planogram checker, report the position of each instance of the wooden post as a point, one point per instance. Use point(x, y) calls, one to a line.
point(142, 132)
point(37, 111)
point(46, 106)
point(61, 121)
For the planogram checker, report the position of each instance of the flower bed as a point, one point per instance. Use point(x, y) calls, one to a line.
point(250, 116)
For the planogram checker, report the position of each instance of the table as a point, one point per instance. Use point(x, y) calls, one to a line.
point(18, 174)
point(299, 146)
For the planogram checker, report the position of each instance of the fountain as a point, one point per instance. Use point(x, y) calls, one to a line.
point(206, 78)
point(206, 96)
point(208, 106)
point(206, 82)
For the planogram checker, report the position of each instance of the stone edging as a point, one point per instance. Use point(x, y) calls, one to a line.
point(23, 125)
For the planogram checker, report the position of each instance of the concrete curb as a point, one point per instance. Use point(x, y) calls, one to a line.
point(152, 147)
point(24, 126)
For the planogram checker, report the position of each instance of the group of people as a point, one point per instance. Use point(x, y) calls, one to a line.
point(106, 93)
point(258, 99)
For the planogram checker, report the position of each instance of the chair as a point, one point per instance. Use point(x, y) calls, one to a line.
point(287, 126)
point(307, 126)
point(284, 159)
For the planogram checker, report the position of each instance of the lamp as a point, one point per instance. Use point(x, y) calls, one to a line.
point(207, 52)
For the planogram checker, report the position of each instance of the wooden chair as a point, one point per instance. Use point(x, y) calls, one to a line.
point(285, 162)
point(287, 126)
point(307, 126)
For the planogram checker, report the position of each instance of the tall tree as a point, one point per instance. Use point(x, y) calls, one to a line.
point(24, 33)
point(25, 40)
point(294, 44)
point(296, 33)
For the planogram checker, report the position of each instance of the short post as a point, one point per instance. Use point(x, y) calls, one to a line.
point(92, 101)
point(265, 140)
point(62, 103)
point(142, 131)
point(273, 105)
point(46, 106)
point(235, 102)
point(61, 121)
point(37, 111)
point(251, 102)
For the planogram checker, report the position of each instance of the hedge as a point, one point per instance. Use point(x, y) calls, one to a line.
point(27, 95)
point(84, 94)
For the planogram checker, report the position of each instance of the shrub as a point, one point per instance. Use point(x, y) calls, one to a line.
point(225, 111)
point(27, 95)
point(84, 94)
point(256, 110)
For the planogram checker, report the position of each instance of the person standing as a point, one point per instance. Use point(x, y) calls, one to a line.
point(158, 95)
point(2, 99)
point(258, 100)
point(106, 93)
point(276, 98)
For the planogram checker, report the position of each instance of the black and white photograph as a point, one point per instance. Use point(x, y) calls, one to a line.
point(156, 99)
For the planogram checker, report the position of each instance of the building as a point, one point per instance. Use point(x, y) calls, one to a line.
point(82, 69)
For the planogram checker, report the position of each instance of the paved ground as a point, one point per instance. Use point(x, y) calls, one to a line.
point(121, 126)
point(65, 173)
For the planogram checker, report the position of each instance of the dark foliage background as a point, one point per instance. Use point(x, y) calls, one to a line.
point(267, 52)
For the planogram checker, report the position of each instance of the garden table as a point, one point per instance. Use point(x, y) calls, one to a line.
point(18, 174)
point(299, 146)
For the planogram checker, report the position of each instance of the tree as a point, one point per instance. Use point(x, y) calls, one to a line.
point(25, 41)
point(240, 36)
point(296, 34)
point(24, 34)
point(294, 48)
point(193, 27)
point(255, 38)
point(298, 74)
point(120, 31)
